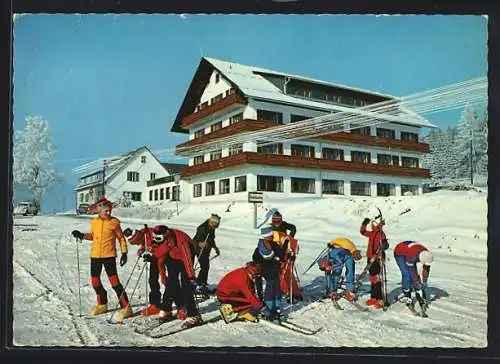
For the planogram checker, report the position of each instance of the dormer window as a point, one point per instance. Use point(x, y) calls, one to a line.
point(217, 78)
point(143, 159)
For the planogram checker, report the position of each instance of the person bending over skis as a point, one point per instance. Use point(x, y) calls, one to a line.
point(104, 231)
point(236, 293)
point(341, 252)
point(407, 255)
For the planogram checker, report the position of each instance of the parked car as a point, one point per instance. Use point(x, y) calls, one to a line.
point(26, 208)
point(83, 209)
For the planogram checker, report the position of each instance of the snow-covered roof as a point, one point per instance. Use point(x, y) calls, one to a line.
point(252, 84)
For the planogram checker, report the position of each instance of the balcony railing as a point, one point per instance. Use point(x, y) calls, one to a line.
point(233, 99)
point(302, 162)
point(159, 181)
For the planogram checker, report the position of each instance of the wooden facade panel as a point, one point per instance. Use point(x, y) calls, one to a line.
point(234, 98)
point(300, 162)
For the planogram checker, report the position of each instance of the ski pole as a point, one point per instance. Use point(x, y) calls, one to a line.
point(78, 241)
point(315, 260)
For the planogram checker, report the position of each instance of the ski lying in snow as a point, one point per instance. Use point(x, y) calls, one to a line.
point(174, 329)
point(154, 325)
point(336, 304)
point(357, 305)
point(292, 327)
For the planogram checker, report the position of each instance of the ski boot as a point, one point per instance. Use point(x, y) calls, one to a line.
point(348, 295)
point(181, 313)
point(124, 313)
point(248, 316)
point(405, 297)
point(192, 321)
point(98, 309)
point(375, 303)
point(165, 315)
point(227, 313)
point(150, 310)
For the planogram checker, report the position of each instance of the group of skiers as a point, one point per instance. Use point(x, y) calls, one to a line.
point(242, 294)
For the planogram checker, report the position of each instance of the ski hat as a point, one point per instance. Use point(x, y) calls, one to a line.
point(277, 218)
point(425, 257)
point(101, 204)
point(266, 232)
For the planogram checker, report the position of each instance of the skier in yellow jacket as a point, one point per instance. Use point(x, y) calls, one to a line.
point(104, 231)
point(342, 252)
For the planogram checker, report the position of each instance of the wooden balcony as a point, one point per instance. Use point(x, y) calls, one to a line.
point(233, 100)
point(341, 137)
point(239, 127)
point(239, 160)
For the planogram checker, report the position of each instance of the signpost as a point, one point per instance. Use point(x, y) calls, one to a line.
point(177, 179)
point(255, 198)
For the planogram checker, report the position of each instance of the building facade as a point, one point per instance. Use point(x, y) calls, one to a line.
point(226, 99)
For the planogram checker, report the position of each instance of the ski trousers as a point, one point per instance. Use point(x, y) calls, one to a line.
point(96, 265)
point(179, 288)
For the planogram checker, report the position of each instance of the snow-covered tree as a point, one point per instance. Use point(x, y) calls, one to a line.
point(481, 147)
point(33, 154)
point(441, 159)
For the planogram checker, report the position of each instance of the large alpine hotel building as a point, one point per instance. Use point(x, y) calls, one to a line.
point(226, 98)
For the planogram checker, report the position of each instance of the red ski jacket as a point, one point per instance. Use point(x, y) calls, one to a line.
point(375, 238)
point(143, 239)
point(410, 250)
point(237, 283)
point(178, 248)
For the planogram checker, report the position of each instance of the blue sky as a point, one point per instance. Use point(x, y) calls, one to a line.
point(108, 84)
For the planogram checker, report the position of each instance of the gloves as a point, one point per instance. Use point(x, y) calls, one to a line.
point(265, 312)
point(366, 221)
point(127, 232)
point(356, 255)
point(385, 244)
point(77, 234)
point(140, 251)
point(123, 259)
point(147, 258)
point(217, 251)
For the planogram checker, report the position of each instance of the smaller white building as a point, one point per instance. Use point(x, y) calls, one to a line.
point(124, 177)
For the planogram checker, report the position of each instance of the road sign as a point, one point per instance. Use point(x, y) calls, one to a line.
point(255, 197)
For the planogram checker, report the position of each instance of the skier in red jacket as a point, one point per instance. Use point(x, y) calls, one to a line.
point(377, 244)
point(407, 255)
point(236, 292)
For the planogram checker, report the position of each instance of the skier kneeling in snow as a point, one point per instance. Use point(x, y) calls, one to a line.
point(269, 255)
point(342, 252)
point(236, 293)
point(180, 272)
point(407, 255)
point(105, 230)
point(154, 253)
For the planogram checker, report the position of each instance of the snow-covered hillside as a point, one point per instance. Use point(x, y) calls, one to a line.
point(451, 223)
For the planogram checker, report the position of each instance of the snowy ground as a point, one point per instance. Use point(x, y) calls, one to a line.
point(451, 223)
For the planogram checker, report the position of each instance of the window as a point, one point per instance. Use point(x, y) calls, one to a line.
point(216, 126)
point(197, 190)
point(295, 118)
point(386, 133)
point(224, 186)
point(198, 160)
point(150, 195)
point(386, 189)
point(395, 160)
point(235, 149)
point(273, 116)
point(333, 154)
point(332, 187)
point(384, 159)
point(175, 193)
point(135, 196)
point(409, 137)
point(210, 188)
point(303, 185)
point(240, 184)
point(167, 193)
point(360, 188)
point(162, 194)
point(235, 118)
point(270, 183)
point(143, 159)
point(229, 92)
point(86, 197)
point(133, 176)
point(360, 157)
point(216, 98)
point(361, 131)
point(409, 162)
point(204, 105)
point(271, 149)
point(216, 155)
point(81, 197)
point(217, 78)
point(156, 195)
point(152, 176)
point(302, 150)
point(409, 190)
point(199, 133)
